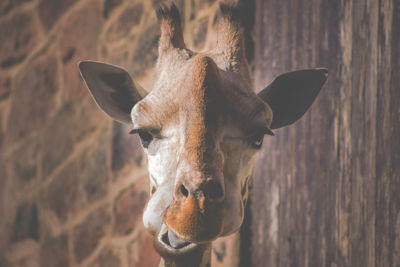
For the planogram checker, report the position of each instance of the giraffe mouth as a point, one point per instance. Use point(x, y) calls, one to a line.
point(173, 240)
point(168, 244)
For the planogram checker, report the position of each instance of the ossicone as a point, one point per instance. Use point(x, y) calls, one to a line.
point(171, 31)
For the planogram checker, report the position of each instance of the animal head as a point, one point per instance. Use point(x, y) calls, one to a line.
point(200, 125)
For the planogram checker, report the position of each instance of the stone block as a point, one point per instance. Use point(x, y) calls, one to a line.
point(129, 18)
point(201, 33)
point(54, 251)
point(145, 53)
point(26, 223)
point(88, 234)
point(156, 2)
point(126, 149)
point(8, 5)
point(118, 55)
point(95, 170)
point(203, 4)
point(79, 41)
point(63, 196)
point(179, 3)
point(5, 87)
point(71, 124)
point(148, 255)
point(22, 254)
point(28, 260)
point(83, 181)
point(18, 35)
point(8, 203)
point(128, 207)
point(32, 98)
point(59, 138)
point(25, 162)
point(109, 5)
point(142, 253)
point(109, 257)
point(50, 11)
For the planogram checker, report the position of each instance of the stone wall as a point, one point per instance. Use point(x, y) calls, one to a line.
point(72, 182)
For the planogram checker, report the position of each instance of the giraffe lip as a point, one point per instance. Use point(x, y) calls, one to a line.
point(173, 240)
point(178, 247)
point(170, 239)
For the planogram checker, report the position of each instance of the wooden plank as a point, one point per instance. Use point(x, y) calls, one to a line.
point(388, 141)
point(326, 189)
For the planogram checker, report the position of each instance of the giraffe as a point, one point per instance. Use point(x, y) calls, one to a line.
point(201, 125)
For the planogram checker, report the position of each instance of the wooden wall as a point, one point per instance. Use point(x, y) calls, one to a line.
point(326, 190)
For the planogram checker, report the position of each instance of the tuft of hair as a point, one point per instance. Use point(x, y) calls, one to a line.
point(168, 13)
point(171, 31)
point(230, 39)
point(231, 11)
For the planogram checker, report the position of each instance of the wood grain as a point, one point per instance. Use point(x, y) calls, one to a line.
point(327, 189)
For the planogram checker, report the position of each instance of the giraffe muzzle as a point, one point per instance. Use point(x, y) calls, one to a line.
point(195, 218)
point(169, 245)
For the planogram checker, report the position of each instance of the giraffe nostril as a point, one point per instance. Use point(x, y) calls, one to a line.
point(153, 190)
point(183, 190)
point(214, 191)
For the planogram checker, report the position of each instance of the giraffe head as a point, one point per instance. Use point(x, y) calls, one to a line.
point(200, 125)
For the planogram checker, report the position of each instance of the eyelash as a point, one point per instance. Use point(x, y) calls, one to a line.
point(145, 137)
point(256, 140)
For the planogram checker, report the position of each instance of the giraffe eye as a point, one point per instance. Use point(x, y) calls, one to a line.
point(145, 137)
point(257, 140)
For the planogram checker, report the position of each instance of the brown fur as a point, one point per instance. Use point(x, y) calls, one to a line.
point(200, 126)
point(201, 92)
point(170, 24)
point(230, 43)
point(194, 218)
point(204, 100)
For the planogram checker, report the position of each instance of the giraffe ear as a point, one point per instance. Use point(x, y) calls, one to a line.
point(291, 94)
point(112, 88)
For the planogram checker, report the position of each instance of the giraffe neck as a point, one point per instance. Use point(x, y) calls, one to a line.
point(202, 260)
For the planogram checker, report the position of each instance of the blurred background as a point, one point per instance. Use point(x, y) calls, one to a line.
point(73, 183)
